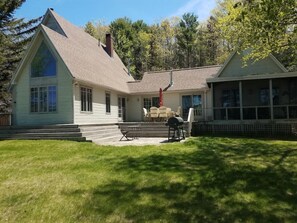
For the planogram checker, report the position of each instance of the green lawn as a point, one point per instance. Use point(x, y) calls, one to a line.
point(204, 180)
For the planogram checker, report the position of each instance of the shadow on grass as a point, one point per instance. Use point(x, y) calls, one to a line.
point(221, 180)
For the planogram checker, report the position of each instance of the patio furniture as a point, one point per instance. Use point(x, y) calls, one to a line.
point(125, 133)
point(146, 115)
point(178, 112)
point(175, 129)
point(163, 113)
point(154, 113)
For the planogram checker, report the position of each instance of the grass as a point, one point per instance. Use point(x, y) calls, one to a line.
point(203, 180)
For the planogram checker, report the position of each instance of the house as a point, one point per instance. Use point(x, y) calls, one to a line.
point(69, 77)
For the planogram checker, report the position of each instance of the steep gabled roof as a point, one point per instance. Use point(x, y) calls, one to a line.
point(86, 60)
point(183, 80)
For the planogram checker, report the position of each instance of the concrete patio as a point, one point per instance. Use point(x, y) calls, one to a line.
point(134, 142)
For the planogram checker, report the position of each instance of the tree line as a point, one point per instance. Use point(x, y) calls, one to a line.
point(260, 26)
point(171, 44)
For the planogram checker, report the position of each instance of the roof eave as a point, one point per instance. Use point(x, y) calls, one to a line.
point(253, 77)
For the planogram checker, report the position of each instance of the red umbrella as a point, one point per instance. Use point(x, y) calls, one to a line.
point(160, 97)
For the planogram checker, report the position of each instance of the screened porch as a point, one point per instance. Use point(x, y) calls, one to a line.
point(263, 99)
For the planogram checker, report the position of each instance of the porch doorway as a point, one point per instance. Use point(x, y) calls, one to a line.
point(192, 101)
point(122, 109)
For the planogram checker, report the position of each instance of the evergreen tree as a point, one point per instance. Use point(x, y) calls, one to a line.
point(14, 37)
point(187, 39)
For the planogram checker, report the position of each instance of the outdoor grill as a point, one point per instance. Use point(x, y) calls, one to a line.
point(175, 129)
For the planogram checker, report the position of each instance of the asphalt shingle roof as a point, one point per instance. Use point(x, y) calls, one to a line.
point(86, 59)
point(184, 79)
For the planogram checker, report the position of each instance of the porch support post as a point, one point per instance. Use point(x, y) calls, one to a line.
point(240, 100)
point(205, 105)
point(212, 101)
point(271, 98)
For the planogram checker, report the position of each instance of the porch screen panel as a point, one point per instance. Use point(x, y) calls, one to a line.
point(226, 101)
point(293, 98)
point(284, 98)
point(256, 99)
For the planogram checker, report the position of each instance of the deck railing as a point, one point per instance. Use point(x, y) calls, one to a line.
point(5, 119)
point(256, 112)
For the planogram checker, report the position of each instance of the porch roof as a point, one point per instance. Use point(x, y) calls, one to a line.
point(183, 80)
point(252, 77)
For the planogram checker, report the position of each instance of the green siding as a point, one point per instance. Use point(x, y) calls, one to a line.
point(236, 68)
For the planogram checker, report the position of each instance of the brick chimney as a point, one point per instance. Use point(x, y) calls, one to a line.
point(109, 45)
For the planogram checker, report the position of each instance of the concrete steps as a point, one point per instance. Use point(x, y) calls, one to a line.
point(101, 133)
point(96, 133)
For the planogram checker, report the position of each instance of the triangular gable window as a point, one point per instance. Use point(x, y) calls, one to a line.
point(44, 63)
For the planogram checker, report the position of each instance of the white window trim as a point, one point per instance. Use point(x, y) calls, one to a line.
point(86, 112)
point(47, 87)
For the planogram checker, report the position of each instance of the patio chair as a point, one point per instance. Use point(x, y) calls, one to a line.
point(169, 113)
point(146, 115)
point(163, 113)
point(154, 113)
point(178, 112)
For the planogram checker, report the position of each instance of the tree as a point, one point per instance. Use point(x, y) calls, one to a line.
point(97, 29)
point(187, 38)
point(123, 34)
point(14, 37)
point(91, 29)
point(262, 26)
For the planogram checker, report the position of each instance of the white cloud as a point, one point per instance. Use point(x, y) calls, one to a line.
point(202, 8)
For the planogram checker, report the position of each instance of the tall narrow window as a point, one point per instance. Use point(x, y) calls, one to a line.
point(52, 98)
point(43, 99)
point(86, 99)
point(107, 102)
point(44, 63)
point(34, 99)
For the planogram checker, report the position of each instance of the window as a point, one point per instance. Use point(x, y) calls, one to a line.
point(107, 102)
point(147, 103)
point(86, 99)
point(44, 99)
point(151, 102)
point(191, 101)
point(43, 64)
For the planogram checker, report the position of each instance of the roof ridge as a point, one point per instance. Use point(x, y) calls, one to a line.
point(182, 69)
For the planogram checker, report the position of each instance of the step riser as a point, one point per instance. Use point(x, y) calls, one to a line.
point(38, 131)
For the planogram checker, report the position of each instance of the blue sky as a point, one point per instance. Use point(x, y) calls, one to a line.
point(80, 12)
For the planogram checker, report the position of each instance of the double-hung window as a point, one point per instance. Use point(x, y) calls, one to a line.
point(43, 99)
point(149, 102)
point(86, 98)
